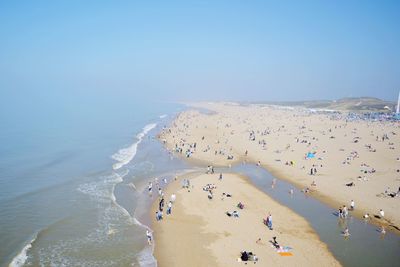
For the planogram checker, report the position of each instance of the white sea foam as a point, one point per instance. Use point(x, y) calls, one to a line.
point(103, 189)
point(22, 256)
point(125, 155)
point(163, 116)
point(137, 222)
point(117, 181)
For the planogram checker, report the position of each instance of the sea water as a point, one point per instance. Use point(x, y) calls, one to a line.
point(71, 184)
point(365, 246)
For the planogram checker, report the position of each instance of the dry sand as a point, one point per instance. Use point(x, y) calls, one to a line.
point(346, 151)
point(199, 233)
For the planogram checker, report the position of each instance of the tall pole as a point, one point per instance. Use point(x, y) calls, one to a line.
point(398, 105)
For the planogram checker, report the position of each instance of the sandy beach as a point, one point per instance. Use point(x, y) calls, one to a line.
point(200, 233)
point(109, 109)
point(337, 160)
point(331, 157)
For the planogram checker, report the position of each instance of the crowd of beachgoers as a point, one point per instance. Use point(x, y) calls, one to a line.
point(215, 209)
point(350, 162)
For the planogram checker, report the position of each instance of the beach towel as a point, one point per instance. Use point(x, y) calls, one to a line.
point(285, 254)
point(283, 249)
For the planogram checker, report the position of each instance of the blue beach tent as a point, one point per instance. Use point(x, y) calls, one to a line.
point(310, 155)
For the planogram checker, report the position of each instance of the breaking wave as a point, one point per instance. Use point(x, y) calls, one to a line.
point(125, 155)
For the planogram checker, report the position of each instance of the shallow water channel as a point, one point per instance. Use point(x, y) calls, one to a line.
point(365, 246)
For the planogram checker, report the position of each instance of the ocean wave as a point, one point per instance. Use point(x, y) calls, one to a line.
point(145, 257)
point(22, 256)
point(111, 227)
point(137, 222)
point(163, 116)
point(103, 190)
point(125, 155)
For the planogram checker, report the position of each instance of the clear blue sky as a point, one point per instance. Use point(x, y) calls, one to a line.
point(188, 50)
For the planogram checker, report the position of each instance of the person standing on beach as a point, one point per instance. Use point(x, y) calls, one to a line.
point(158, 215)
point(173, 198)
point(169, 208)
point(210, 194)
point(345, 211)
point(340, 212)
point(269, 221)
point(160, 192)
point(352, 205)
point(149, 237)
point(161, 204)
point(220, 176)
point(382, 213)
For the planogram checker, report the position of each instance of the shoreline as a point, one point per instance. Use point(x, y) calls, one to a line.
point(332, 203)
point(196, 225)
point(198, 121)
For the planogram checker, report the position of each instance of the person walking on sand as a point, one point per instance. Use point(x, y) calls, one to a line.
point(220, 176)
